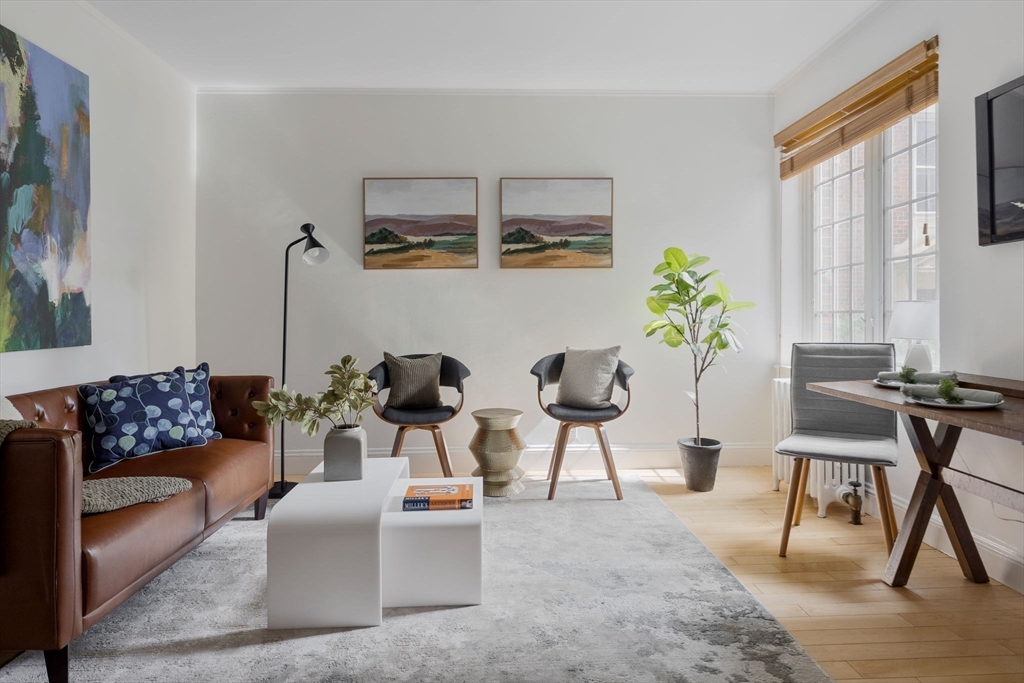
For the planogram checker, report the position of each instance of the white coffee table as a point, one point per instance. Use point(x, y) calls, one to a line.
point(340, 551)
point(432, 557)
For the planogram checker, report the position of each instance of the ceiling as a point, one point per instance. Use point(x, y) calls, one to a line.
point(682, 46)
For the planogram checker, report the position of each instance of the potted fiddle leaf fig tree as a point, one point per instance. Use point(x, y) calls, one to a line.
point(696, 316)
point(349, 394)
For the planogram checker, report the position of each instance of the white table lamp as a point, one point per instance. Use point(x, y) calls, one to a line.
point(917, 321)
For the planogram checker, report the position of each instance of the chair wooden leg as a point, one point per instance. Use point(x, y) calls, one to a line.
point(884, 502)
point(791, 502)
point(396, 450)
point(801, 493)
point(561, 440)
point(604, 460)
point(554, 452)
point(56, 665)
point(442, 450)
point(260, 506)
point(609, 462)
point(888, 503)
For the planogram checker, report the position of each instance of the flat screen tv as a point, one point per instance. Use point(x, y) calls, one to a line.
point(999, 117)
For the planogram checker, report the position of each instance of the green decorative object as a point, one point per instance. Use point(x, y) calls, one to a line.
point(690, 316)
point(350, 393)
point(947, 391)
point(907, 375)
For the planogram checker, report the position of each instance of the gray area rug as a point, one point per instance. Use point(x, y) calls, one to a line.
point(581, 589)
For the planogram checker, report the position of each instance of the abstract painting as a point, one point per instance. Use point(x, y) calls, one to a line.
point(556, 222)
point(419, 223)
point(44, 199)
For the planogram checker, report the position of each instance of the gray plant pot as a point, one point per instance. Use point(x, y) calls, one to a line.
point(344, 454)
point(700, 463)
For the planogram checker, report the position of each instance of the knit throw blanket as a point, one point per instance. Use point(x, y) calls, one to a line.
point(105, 495)
point(8, 426)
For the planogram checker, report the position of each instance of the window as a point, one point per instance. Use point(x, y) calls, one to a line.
point(910, 266)
point(874, 231)
point(838, 251)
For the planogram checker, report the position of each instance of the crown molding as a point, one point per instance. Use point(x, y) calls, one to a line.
point(471, 92)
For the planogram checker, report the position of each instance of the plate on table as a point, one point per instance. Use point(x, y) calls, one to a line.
point(888, 383)
point(941, 403)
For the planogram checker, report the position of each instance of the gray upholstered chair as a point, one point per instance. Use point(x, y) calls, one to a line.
point(835, 430)
point(452, 375)
point(548, 370)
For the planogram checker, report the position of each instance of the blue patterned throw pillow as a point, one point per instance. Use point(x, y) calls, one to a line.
point(137, 417)
point(197, 386)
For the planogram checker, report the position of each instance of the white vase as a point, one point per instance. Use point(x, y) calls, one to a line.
point(344, 454)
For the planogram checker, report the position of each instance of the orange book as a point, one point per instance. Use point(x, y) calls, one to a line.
point(438, 497)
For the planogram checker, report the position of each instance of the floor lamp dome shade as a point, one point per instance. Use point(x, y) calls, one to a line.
point(313, 253)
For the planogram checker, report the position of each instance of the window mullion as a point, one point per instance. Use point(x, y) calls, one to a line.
point(874, 238)
point(807, 245)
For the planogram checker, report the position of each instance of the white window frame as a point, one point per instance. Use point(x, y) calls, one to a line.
point(873, 243)
point(875, 260)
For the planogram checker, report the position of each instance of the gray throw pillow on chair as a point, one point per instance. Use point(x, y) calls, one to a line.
point(588, 377)
point(415, 382)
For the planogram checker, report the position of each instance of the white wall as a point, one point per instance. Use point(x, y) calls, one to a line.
point(981, 288)
point(142, 222)
point(690, 172)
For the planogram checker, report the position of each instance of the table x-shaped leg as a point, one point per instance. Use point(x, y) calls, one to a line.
point(934, 454)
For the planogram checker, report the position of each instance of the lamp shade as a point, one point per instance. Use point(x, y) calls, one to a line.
point(313, 253)
point(914, 320)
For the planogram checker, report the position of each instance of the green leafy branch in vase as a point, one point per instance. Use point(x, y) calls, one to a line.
point(947, 392)
point(691, 316)
point(350, 393)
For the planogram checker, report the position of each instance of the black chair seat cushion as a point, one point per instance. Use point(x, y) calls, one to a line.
point(427, 416)
point(568, 414)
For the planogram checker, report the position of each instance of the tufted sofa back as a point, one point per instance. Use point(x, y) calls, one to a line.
point(231, 399)
point(58, 408)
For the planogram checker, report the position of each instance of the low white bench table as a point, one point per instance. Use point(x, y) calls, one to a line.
point(338, 552)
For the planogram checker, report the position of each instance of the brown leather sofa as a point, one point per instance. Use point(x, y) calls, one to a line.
point(60, 572)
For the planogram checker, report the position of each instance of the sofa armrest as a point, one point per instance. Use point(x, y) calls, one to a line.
point(231, 398)
point(40, 539)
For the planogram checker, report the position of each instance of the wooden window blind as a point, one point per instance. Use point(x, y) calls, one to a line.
point(906, 85)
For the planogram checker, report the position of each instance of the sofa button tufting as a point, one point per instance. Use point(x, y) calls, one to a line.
point(234, 412)
point(252, 425)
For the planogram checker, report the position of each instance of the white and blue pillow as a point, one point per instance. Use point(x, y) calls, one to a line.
point(197, 386)
point(139, 416)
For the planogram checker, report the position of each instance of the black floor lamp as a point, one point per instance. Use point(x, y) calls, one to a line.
point(313, 253)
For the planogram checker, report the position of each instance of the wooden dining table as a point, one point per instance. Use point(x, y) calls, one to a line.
point(934, 449)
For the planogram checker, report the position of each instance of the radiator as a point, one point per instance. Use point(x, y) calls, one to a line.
point(823, 477)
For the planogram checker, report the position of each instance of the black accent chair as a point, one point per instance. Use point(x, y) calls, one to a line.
point(452, 375)
point(548, 370)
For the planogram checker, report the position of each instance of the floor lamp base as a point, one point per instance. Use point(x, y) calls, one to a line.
point(281, 488)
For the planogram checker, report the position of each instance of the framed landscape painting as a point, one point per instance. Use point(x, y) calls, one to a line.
point(44, 199)
point(556, 222)
point(419, 223)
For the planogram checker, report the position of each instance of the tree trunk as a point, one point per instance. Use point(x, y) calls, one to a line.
point(696, 396)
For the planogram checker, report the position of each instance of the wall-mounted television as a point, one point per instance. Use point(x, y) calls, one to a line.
point(999, 121)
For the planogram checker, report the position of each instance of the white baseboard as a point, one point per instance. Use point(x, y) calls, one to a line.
point(1003, 562)
point(423, 459)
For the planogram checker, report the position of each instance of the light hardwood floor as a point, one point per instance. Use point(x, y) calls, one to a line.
point(828, 591)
